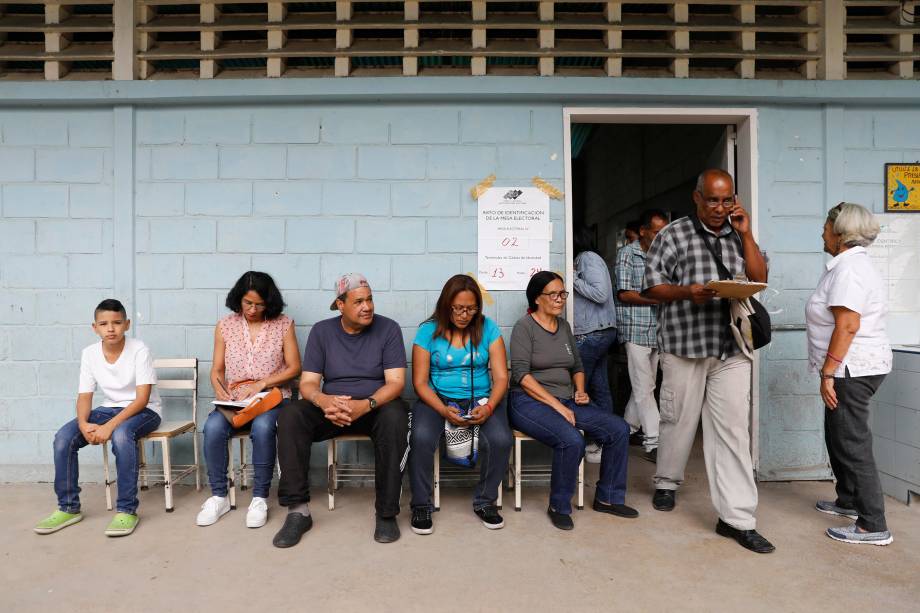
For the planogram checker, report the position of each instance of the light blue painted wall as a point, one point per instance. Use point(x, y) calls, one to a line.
point(896, 427)
point(335, 180)
point(303, 192)
point(811, 158)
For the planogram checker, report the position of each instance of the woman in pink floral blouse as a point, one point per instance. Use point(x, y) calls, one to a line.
point(255, 348)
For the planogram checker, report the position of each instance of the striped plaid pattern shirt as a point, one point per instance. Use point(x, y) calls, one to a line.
point(678, 256)
point(636, 323)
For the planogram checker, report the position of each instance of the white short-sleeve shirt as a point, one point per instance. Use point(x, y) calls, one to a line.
point(118, 382)
point(850, 281)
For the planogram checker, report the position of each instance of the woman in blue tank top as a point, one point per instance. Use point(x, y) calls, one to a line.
point(460, 374)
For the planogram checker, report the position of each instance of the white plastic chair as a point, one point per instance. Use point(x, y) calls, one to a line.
point(538, 472)
point(168, 430)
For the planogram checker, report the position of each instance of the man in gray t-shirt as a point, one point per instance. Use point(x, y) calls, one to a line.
point(354, 369)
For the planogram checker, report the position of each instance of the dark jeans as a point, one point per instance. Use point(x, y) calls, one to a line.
point(494, 441)
point(300, 424)
point(69, 440)
point(217, 431)
point(544, 424)
point(849, 445)
point(593, 348)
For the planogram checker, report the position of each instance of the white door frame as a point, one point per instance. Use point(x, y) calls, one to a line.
point(745, 122)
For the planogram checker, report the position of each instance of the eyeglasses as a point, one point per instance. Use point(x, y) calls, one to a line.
point(258, 306)
point(714, 203)
point(556, 295)
point(463, 310)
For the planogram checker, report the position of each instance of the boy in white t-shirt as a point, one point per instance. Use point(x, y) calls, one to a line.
point(122, 369)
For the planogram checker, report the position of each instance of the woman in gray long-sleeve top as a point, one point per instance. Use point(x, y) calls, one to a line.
point(548, 403)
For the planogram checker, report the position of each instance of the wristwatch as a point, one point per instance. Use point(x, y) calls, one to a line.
point(372, 402)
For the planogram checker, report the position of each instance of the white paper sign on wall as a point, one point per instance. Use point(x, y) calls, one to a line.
point(896, 255)
point(514, 235)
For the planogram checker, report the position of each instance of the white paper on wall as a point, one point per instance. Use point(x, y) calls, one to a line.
point(514, 233)
point(896, 255)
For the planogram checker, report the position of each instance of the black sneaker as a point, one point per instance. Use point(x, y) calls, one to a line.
point(490, 517)
point(421, 520)
point(295, 526)
point(563, 521)
point(651, 456)
point(637, 438)
point(386, 530)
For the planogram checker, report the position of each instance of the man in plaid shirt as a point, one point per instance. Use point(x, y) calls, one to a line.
point(637, 321)
point(705, 374)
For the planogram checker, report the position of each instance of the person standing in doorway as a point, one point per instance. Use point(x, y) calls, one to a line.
point(638, 331)
point(595, 324)
point(632, 231)
point(705, 373)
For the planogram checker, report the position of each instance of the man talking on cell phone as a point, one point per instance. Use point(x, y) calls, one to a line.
point(706, 376)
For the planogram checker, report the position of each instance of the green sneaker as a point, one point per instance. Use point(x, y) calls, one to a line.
point(122, 524)
point(57, 521)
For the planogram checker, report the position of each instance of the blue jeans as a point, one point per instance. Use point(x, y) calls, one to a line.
point(544, 424)
point(593, 348)
point(217, 432)
point(69, 440)
point(494, 440)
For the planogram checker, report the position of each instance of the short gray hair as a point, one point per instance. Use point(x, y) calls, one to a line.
point(855, 224)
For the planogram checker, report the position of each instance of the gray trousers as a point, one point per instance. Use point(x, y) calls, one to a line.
point(719, 393)
point(849, 446)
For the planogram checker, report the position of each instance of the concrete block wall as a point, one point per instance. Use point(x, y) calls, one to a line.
point(811, 158)
point(896, 427)
point(56, 253)
point(792, 208)
point(301, 192)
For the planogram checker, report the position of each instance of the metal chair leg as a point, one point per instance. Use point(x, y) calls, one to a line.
point(108, 480)
point(167, 473)
point(197, 463)
point(243, 465)
point(330, 470)
point(517, 474)
point(581, 485)
point(437, 480)
point(142, 464)
point(231, 482)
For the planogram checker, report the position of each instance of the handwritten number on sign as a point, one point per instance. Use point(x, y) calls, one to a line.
point(498, 273)
point(510, 241)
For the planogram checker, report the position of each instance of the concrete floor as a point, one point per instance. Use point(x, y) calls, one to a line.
point(661, 561)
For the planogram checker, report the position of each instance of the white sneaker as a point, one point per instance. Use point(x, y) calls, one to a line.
point(212, 510)
point(593, 453)
point(257, 514)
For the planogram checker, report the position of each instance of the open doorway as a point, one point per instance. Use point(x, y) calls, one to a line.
point(620, 171)
point(623, 161)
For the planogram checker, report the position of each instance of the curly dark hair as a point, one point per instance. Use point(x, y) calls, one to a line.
point(262, 284)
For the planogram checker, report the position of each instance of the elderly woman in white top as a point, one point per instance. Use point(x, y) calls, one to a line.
point(848, 346)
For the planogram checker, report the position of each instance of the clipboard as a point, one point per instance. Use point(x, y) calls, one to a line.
point(736, 289)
